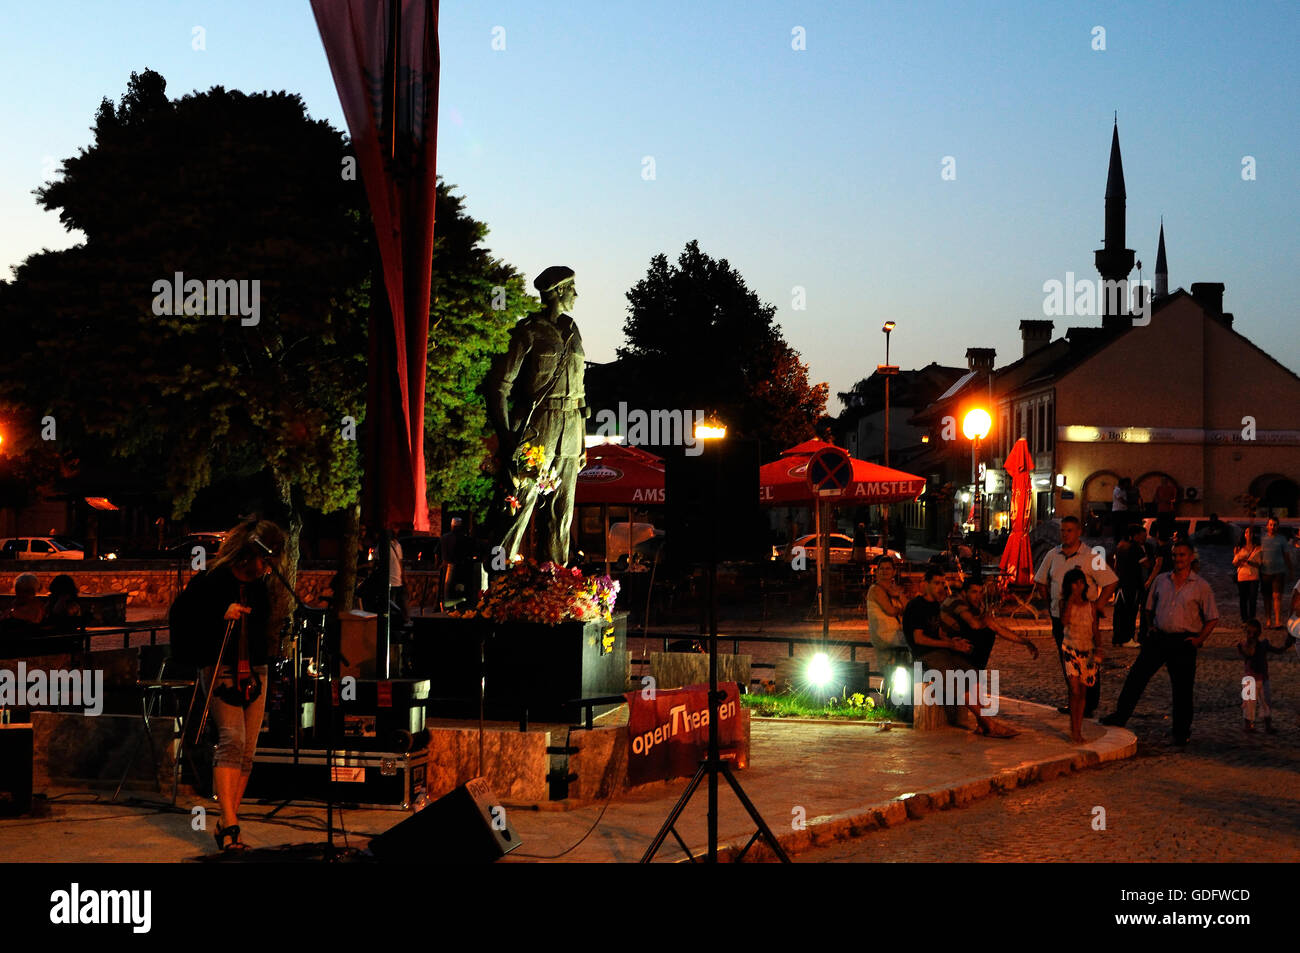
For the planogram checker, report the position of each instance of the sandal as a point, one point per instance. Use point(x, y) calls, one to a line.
point(231, 832)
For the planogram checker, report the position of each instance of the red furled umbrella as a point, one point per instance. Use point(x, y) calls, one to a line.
point(384, 57)
point(784, 482)
point(1017, 557)
point(620, 476)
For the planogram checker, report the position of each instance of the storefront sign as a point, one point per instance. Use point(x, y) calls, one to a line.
point(1075, 433)
point(668, 734)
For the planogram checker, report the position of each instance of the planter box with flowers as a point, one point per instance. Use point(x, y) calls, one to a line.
point(548, 635)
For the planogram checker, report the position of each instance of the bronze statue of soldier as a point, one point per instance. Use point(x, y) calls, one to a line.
point(535, 396)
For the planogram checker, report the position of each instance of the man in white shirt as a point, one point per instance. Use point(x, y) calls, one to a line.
point(1072, 554)
point(1184, 615)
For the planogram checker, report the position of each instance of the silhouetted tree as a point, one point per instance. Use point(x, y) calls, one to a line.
point(223, 185)
point(698, 338)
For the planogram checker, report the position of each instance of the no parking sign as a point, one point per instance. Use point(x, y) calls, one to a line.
point(829, 471)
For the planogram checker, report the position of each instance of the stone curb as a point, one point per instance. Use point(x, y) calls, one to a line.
point(1116, 744)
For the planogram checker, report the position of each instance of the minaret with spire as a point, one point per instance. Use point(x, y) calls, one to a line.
point(1114, 261)
point(1162, 268)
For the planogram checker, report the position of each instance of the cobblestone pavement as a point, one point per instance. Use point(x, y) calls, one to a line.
point(1229, 796)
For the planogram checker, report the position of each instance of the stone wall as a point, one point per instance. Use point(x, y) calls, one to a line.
point(156, 588)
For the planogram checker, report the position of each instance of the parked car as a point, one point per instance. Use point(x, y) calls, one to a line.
point(183, 548)
point(841, 549)
point(105, 552)
point(38, 547)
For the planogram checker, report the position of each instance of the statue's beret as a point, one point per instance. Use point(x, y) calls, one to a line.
point(553, 277)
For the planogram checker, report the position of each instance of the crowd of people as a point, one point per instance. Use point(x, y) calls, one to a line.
point(1162, 606)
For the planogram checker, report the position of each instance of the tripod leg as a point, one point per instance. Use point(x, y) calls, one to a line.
point(135, 749)
point(674, 814)
point(766, 831)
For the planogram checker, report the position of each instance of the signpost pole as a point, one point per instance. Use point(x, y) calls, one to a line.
point(817, 529)
point(824, 567)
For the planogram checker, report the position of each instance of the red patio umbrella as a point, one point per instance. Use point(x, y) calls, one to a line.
point(1017, 557)
point(784, 482)
point(619, 475)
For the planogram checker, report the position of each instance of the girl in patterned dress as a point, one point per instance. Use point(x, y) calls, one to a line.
point(1081, 646)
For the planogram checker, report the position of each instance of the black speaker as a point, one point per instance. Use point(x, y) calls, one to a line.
point(469, 825)
point(713, 508)
point(15, 770)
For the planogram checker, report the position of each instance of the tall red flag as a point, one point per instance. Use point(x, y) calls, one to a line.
point(383, 55)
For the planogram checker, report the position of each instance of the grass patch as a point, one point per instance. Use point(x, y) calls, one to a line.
point(807, 705)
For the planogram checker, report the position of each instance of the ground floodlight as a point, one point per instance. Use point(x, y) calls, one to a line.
point(899, 684)
point(819, 669)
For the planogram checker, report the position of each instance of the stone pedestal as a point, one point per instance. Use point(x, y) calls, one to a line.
point(515, 762)
point(529, 667)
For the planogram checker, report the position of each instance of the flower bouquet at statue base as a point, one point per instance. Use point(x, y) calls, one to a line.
point(547, 593)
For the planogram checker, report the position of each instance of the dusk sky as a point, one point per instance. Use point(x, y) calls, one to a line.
point(817, 168)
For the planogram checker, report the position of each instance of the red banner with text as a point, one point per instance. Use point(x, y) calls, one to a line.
point(668, 732)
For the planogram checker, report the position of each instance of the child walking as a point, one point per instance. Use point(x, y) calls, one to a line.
point(1081, 646)
point(1254, 684)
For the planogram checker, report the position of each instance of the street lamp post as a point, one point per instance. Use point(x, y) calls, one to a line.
point(887, 370)
point(976, 427)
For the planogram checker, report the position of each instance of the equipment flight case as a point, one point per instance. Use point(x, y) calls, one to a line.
point(361, 779)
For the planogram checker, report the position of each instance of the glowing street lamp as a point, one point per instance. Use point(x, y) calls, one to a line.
point(977, 424)
point(711, 428)
point(976, 427)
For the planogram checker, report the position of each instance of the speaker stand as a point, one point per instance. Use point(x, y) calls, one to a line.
point(713, 765)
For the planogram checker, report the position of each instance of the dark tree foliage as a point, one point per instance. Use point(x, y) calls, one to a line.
point(224, 185)
point(698, 338)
